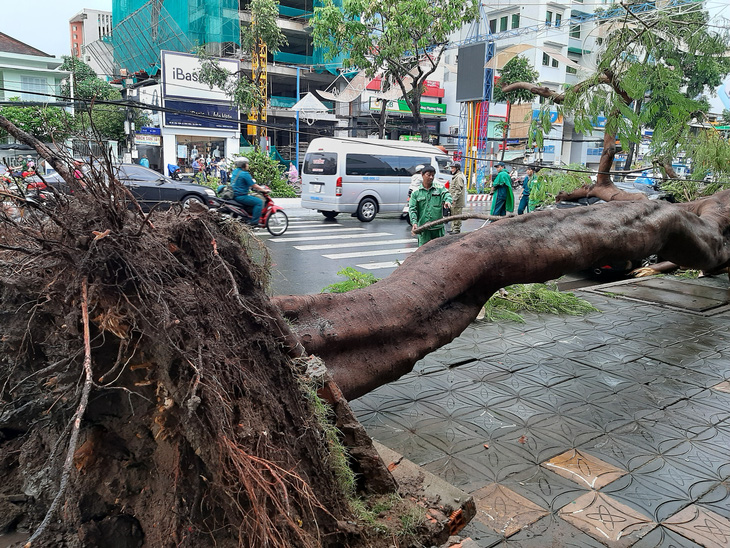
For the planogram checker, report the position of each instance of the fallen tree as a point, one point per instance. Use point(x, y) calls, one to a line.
point(151, 393)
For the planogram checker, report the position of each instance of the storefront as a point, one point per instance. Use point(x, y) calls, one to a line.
point(197, 121)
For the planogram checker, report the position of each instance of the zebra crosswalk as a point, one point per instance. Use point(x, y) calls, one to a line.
point(367, 249)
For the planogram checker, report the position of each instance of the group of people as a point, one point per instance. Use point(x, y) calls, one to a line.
point(430, 201)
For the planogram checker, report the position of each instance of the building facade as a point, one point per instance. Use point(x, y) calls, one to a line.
point(86, 27)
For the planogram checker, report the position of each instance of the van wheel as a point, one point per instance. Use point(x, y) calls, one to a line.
point(330, 214)
point(367, 209)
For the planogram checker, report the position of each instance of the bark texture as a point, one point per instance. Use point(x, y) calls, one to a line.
point(375, 335)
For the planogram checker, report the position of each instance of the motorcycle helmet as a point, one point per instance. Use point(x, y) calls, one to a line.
point(240, 162)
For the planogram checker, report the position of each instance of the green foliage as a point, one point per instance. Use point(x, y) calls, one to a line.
point(263, 27)
point(653, 74)
point(401, 38)
point(267, 171)
point(688, 274)
point(355, 280)
point(45, 123)
point(517, 69)
point(538, 298)
point(86, 84)
point(550, 182)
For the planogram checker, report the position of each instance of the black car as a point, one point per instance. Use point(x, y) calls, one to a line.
point(148, 186)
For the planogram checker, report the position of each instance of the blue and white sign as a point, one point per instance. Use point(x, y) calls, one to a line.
point(203, 115)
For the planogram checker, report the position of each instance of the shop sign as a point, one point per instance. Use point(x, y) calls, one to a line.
point(203, 115)
point(147, 130)
point(435, 109)
point(555, 118)
point(180, 77)
point(145, 139)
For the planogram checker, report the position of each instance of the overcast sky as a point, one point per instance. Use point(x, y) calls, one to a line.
point(43, 24)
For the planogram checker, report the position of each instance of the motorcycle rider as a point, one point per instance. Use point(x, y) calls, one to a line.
point(242, 183)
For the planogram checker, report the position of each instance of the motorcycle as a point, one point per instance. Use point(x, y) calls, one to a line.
point(272, 217)
point(174, 172)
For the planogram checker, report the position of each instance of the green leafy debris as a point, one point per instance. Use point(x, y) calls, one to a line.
point(538, 298)
point(355, 280)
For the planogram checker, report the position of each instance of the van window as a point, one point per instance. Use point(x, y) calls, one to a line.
point(383, 165)
point(443, 162)
point(320, 163)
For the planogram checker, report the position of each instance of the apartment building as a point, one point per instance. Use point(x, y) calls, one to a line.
point(86, 27)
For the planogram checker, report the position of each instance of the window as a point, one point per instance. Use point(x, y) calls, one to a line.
point(599, 40)
point(371, 165)
point(575, 31)
point(320, 163)
point(555, 63)
point(492, 26)
point(558, 19)
point(571, 70)
point(29, 84)
point(503, 24)
point(516, 21)
point(546, 59)
point(549, 18)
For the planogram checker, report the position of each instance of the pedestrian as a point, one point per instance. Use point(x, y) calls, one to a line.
point(144, 162)
point(458, 196)
point(526, 185)
point(426, 204)
point(503, 200)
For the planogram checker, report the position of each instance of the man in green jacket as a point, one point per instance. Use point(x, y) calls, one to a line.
point(426, 204)
point(503, 200)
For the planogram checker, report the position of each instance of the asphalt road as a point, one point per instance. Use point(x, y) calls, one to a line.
point(307, 257)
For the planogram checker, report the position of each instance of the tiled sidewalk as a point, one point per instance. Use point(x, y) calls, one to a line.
point(611, 429)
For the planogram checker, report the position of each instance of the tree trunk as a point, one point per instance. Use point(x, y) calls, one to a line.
point(382, 118)
point(506, 132)
point(373, 336)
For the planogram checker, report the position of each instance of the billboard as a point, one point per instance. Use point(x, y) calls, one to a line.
point(180, 77)
point(470, 74)
point(202, 115)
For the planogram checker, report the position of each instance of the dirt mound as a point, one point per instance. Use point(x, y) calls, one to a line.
point(185, 420)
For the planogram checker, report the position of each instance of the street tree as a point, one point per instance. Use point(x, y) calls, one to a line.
point(517, 69)
point(260, 36)
point(667, 59)
point(405, 39)
point(46, 123)
point(99, 112)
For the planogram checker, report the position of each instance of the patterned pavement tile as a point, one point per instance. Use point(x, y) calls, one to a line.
point(700, 525)
point(724, 386)
point(448, 436)
point(647, 434)
point(662, 537)
point(483, 536)
point(584, 469)
point(700, 407)
point(543, 487)
point(718, 499)
point(685, 354)
point(656, 499)
point(505, 511)
point(551, 531)
point(615, 450)
point(607, 520)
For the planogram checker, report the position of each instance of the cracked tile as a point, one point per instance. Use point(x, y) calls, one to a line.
point(505, 511)
point(584, 469)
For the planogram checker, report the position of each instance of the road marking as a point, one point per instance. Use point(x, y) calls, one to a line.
point(331, 237)
point(305, 230)
point(352, 244)
point(356, 254)
point(375, 266)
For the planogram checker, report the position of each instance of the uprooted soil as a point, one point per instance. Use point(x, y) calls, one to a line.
point(196, 431)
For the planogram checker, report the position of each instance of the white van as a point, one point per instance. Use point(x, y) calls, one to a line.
point(364, 176)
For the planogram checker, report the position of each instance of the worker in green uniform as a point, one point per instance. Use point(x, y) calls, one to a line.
point(503, 200)
point(426, 204)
